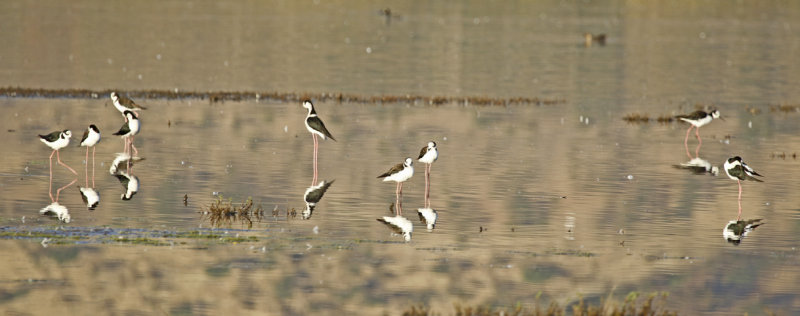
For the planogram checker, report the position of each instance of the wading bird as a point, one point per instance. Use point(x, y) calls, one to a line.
point(316, 128)
point(738, 170)
point(697, 119)
point(399, 173)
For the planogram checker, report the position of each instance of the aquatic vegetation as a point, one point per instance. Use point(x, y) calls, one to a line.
point(645, 118)
point(237, 96)
point(632, 305)
point(636, 118)
point(222, 212)
point(785, 108)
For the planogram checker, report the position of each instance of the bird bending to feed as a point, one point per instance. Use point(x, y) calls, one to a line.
point(57, 140)
point(316, 128)
point(739, 171)
point(399, 173)
point(428, 155)
point(90, 138)
point(129, 130)
point(123, 104)
point(697, 119)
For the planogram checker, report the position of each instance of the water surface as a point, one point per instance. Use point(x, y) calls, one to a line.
point(565, 199)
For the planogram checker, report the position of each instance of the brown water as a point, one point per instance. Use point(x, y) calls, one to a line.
point(565, 199)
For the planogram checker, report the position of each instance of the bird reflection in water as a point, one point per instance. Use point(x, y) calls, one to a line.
point(736, 230)
point(313, 195)
point(125, 176)
point(398, 224)
point(90, 197)
point(130, 182)
point(56, 210)
point(699, 166)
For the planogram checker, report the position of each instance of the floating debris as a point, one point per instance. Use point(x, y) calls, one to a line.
point(237, 96)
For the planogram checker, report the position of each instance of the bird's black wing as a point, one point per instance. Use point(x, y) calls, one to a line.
point(394, 170)
point(316, 124)
point(696, 115)
point(125, 129)
point(423, 152)
point(51, 137)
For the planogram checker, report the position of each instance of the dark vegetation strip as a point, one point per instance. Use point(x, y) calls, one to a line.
point(221, 96)
point(634, 305)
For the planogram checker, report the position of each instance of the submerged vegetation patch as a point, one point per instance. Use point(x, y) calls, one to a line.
point(83, 235)
point(645, 118)
point(652, 305)
point(221, 96)
point(222, 212)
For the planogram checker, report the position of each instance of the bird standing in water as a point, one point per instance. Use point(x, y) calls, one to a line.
point(57, 140)
point(738, 170)
point(129, 130)
point(428, 155)
point(697, 119)
point(90, 138)
point(399, 173)
point(316, 128)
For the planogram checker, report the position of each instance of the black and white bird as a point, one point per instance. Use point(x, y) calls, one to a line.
point(697, 119)
point(90, 197)
point(129, 182)
point(428, 155)
point(123, 104)
point(57, 140)
point(129, 130)
point(399, 225)
point(316, 128)
point(737, 170)
point(399, 173)
point(90, 138)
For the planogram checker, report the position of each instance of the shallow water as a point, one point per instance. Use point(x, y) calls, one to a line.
point(565, 199)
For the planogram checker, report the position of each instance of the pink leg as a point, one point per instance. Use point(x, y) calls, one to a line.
point(697, 150)
point(427, 185)
point(686, 142)
point(738, 217)
point(58, 155)
point(93, 152)
point(697, 133)
point(316, 144)
point(400, 198)
point(58, 192)
point(397, 199)
point(86, 168)
point(135, 151)
point(50, 189)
